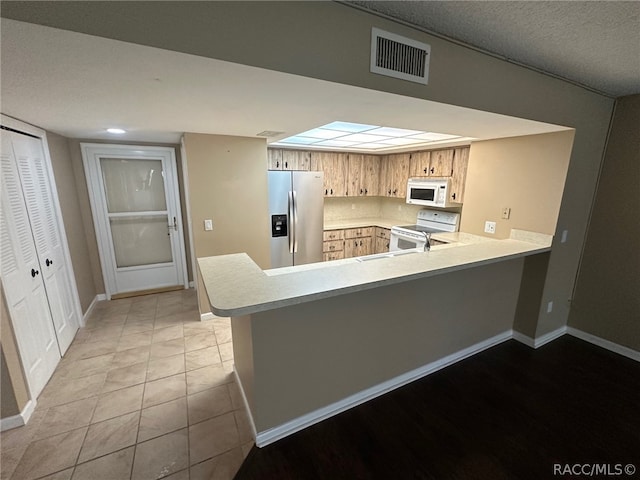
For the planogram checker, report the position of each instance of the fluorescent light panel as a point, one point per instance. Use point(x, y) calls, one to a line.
point(349, 136)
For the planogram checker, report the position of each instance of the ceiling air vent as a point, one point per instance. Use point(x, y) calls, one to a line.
point(399, 57)
point(269, 133)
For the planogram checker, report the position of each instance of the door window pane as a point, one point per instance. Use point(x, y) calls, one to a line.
point(141, 240)
point(133, 185)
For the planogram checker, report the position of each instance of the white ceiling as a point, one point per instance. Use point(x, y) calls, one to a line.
point(78, 85)
point(592, 43)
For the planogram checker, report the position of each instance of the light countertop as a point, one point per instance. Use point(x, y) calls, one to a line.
point(363, 222)
point(236, 286)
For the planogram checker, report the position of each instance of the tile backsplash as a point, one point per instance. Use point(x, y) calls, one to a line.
point(348, 208)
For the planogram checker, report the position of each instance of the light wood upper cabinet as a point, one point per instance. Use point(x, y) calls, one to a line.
point(419, 164)
point(362, 175)
point(441, 163)
point(459, 174)
point(274, 159)
point(334, 166)
point(296, 160)
point(397, 174)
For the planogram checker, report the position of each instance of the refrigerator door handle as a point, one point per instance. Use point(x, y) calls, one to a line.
point(291, 224)
point(295, 222)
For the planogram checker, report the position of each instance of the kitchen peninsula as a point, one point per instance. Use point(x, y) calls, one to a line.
point(313, 340)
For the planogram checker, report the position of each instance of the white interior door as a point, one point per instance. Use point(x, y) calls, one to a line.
point(22, 279)
point(37, 190)
point(136, 209)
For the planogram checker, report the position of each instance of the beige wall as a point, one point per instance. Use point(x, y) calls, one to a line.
point(228, 184)
point(13, 390)
point(526, 174)
point(297, 359)
point(71, 205)
point(302, 38)
point(607, 296)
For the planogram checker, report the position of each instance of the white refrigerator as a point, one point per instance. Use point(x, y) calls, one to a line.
point(296, 213)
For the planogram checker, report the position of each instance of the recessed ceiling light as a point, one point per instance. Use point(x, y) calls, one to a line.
point(117, 131)
point(362, 137)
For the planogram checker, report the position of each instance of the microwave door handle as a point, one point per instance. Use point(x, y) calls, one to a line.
point(291, 226)
point(295, 222)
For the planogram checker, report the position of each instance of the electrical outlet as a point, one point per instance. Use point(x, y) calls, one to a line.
point(490, 227)
point(506, 213)
point(208, 225)
point(549, 307)
point(565, 233)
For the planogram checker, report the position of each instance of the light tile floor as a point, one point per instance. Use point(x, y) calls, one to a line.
point(145, 391)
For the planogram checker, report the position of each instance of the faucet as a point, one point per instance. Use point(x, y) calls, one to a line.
point(427, 243)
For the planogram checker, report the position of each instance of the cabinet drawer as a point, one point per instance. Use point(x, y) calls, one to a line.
point(383, 233)
point(358, 232)
point(332, 256)
point(333, 246)
point(329, 235)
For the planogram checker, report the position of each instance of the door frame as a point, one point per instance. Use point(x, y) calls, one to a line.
point(93, 185)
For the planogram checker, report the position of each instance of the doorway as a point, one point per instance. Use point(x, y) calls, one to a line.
point(135, 203)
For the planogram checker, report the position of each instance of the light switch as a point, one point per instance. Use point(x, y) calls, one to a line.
point(208, 225)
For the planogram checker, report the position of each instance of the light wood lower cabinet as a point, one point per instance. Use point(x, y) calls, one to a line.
point(333, 245)
point(382, 238)
point(358, 247)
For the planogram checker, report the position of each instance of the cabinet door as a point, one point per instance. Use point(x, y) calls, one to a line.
point(326, 257)
point(385, 178)
point(274, 159)
point(459, 176)
point(351, 247)
point(365, 246)
point(355, 187)
point(296, 160)
point(334, 167)
point(332, 246)
point(441, 163)
point(419, 164)
point(381, 245)
point(370, 173)
point(399, 165)
point(329, 235)
point(22, 279)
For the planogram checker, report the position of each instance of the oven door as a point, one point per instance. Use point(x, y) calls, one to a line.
point(405, 241)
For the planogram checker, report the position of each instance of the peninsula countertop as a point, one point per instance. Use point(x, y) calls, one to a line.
point(237, 286)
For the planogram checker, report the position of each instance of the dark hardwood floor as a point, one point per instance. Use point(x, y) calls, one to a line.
point(510, 412)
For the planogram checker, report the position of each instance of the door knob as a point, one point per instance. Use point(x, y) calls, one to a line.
point(34, 272)
point(48, 262)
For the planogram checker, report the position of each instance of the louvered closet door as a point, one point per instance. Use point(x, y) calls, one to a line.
point(22, 279)
point(37, 189)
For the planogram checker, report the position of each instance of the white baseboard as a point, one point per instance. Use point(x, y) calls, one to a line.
point(207, 316)
point(96, 299)
point(246, 403)
point(19, 420)
point(269, 436)
point(601, 342)
point(540, 341)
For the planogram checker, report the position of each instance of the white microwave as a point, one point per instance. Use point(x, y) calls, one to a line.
point(430, 192)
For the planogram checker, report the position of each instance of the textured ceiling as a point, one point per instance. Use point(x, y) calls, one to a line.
point(594, 43)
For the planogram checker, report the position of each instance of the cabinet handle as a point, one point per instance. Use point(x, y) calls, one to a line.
point(389, 192)
point(34, 272)
point(425, 170)
point(432, 170)
point(48, 262)
point(454, 196)
point(395, 191)
point(326, 191)
point(355, 244)
point(277, 164)
point(332, 247)
point(366, 191)
point(332, 191)
point(286, 164)
point(360, 191)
